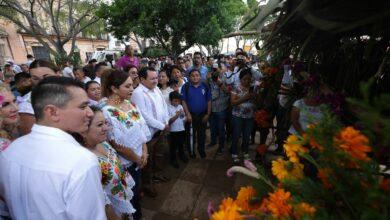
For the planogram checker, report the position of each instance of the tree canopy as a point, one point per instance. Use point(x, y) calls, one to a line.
point(175, 24)
point(53, 22)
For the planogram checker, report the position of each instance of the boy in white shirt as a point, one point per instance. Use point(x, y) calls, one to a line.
point(177, 132)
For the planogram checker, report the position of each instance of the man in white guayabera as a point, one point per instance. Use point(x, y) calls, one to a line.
point(46, 174)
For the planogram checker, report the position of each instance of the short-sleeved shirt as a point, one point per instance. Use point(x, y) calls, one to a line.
point(125, 61)
point(178, 124)
point(307, 114)
point(245, 109)
point(196, 98)
point(219, 98)
point(68, 72)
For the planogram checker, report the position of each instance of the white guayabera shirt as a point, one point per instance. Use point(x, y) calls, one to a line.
point(48, 175)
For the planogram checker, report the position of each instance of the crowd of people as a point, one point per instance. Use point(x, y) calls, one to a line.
point(81, 142)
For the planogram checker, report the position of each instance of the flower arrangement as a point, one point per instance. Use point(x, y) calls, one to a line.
point(327, 173)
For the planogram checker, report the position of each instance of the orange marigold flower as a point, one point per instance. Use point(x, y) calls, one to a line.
point(283, 169)
point(278, 203)
point(261, 149)
point(323, 175)
point(244, 197)
point(304, 209)
point(314, 144)
point(385, 185)
point(231, 213)
point(354, 143)
point(293, 147)
point(226, 203)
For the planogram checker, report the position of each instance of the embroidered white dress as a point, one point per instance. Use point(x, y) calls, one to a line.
point(128, 129)
point(117, 183)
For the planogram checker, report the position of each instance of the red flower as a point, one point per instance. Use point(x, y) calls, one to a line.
point(262, 118)
point(261, 149)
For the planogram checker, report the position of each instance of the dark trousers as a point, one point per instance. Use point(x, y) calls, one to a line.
point(217, 128)
point(199, 132)
point(135, 201)
point(176, 144)
point(282, 126)
point(243, 127)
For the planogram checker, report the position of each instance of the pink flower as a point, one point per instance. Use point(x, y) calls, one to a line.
point(250, 165)
point(1, 100)
point(230, 172)
point(210, 209)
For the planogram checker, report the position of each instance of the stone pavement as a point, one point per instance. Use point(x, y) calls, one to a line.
point(192, 187)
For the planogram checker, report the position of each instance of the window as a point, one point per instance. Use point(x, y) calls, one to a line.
point(41, 52)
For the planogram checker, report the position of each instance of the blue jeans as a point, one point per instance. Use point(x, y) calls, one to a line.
point(242, 126)
point(217, 128)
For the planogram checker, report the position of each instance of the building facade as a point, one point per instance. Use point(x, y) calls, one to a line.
point(15, 45)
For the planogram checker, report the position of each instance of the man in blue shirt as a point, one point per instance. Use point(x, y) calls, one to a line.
point(197, 104)
point(198, 64)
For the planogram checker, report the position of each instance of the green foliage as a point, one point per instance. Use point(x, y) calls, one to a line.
point(344, 47)
point(372, 112)
point(176, 25)
point(154, 52)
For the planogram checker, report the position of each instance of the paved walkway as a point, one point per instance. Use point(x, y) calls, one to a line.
point(192, 187)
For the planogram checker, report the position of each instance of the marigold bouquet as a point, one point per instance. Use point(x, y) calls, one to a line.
point(329, 172)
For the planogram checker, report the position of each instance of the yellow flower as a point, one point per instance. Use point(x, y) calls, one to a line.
point(283, 169)
point(351, 141)
point(230, 213)
point(244, 197)
point(278, 203)
point(304, 209)
point(122, 115)
point(293, 147)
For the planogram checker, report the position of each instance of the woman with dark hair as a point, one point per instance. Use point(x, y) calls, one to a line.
point(177, 74)
point(242, 100)
point(94, 92)
point(116, 181)
point(133, 71)
point(128, 131)
point(163, 84)
point(39, 69)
